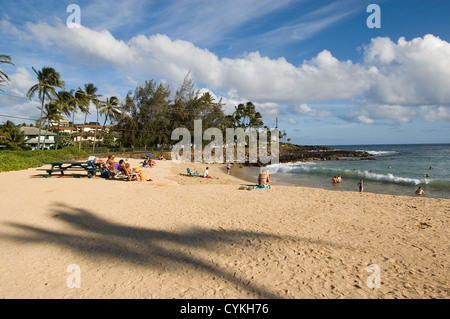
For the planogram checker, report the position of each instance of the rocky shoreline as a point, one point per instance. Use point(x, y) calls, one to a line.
point(299, 153)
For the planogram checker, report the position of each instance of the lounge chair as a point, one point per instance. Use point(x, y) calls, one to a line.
point(191, 173)
point(124, 174)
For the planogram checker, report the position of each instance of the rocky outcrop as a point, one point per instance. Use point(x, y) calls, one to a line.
point(296, 153)
point(299, 153)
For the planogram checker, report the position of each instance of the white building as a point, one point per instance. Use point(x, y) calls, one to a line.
point(32, 138)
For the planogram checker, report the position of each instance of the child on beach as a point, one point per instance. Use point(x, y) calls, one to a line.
point(361, 186)
point(206, 173)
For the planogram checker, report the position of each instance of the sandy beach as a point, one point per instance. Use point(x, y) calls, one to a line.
point(189, 237)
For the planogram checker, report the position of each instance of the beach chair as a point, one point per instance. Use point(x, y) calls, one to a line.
point(125, 175)
point(191, 173)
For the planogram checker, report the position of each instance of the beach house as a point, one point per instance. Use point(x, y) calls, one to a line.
point(46, 138)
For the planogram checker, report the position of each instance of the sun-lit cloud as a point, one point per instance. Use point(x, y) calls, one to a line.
point(394, 81)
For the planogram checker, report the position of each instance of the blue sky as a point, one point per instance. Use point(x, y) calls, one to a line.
point(314, 65)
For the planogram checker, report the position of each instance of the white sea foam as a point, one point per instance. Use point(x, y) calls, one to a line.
point(379, 153)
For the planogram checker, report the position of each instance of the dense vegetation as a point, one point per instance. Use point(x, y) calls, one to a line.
point(148, 116)
point(19, 160)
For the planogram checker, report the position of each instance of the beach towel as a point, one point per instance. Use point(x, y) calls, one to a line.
point(262, 186)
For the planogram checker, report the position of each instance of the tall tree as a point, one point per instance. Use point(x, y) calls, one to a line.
point(58, 105)
point(91, 93)
point(110, 109)
point(48, 81)
point(52, 113)
point(81, 101)
point(246, 116)
point(3, 77)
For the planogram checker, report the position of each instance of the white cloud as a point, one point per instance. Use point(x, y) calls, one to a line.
point(395, 81)
point(415, 72)
point(21, 80)
point(307, 110)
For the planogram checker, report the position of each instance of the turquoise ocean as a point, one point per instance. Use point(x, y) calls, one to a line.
point(396, 170)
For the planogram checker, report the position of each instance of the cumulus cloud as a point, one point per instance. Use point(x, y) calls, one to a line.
point(415, 72)
point(395, 80)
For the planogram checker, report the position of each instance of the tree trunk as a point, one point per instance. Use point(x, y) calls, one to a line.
point(95, 134)
point(81, 134)
point(40, 121)
point(57, 136)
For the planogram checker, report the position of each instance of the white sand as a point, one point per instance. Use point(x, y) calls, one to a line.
point(188, 237)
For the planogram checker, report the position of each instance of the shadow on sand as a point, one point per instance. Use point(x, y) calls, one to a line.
point(97, 237)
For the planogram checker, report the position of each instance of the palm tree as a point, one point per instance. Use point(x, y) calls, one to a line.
point(81, 102)
point(16, 137)
point(61, 101)
point(3, 77)
point(48, 80)
point(92, 96)
point(13, 135)
point(52, 113)
point(60, 104)
point(111, 109)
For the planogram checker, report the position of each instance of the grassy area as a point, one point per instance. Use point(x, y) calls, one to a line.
point(20, 160)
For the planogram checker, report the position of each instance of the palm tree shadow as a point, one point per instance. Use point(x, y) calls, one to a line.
point(157, 249)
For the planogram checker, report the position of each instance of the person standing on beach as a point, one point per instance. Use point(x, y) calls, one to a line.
point(361, 185)
point(228, 168)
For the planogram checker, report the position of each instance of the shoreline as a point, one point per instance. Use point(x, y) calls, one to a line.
point(189, 237)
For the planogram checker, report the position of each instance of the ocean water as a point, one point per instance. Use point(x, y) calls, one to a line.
point(397, 169)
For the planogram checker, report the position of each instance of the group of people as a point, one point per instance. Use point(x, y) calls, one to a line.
point(337, 179)
point(360, 184)
point(121, 167)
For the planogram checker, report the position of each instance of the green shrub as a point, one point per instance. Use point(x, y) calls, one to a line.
point(21, 160)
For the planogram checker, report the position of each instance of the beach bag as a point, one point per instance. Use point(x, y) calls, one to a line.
point(106, 174)
point(90, 165)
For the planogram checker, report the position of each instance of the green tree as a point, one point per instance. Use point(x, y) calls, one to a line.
point(52, 113)
point(246, 116)
point(14, 137)
point(61, 103)
point(48, 81)
point(110, 109)
point(79, 101)
point(91, 94)
point(126, 122)
point(3, 77)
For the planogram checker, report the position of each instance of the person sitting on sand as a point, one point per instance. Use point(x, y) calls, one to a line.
point(420, 191)
point(137, 171)
point(206, 173)
point(264, 178)
point(112, 165)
